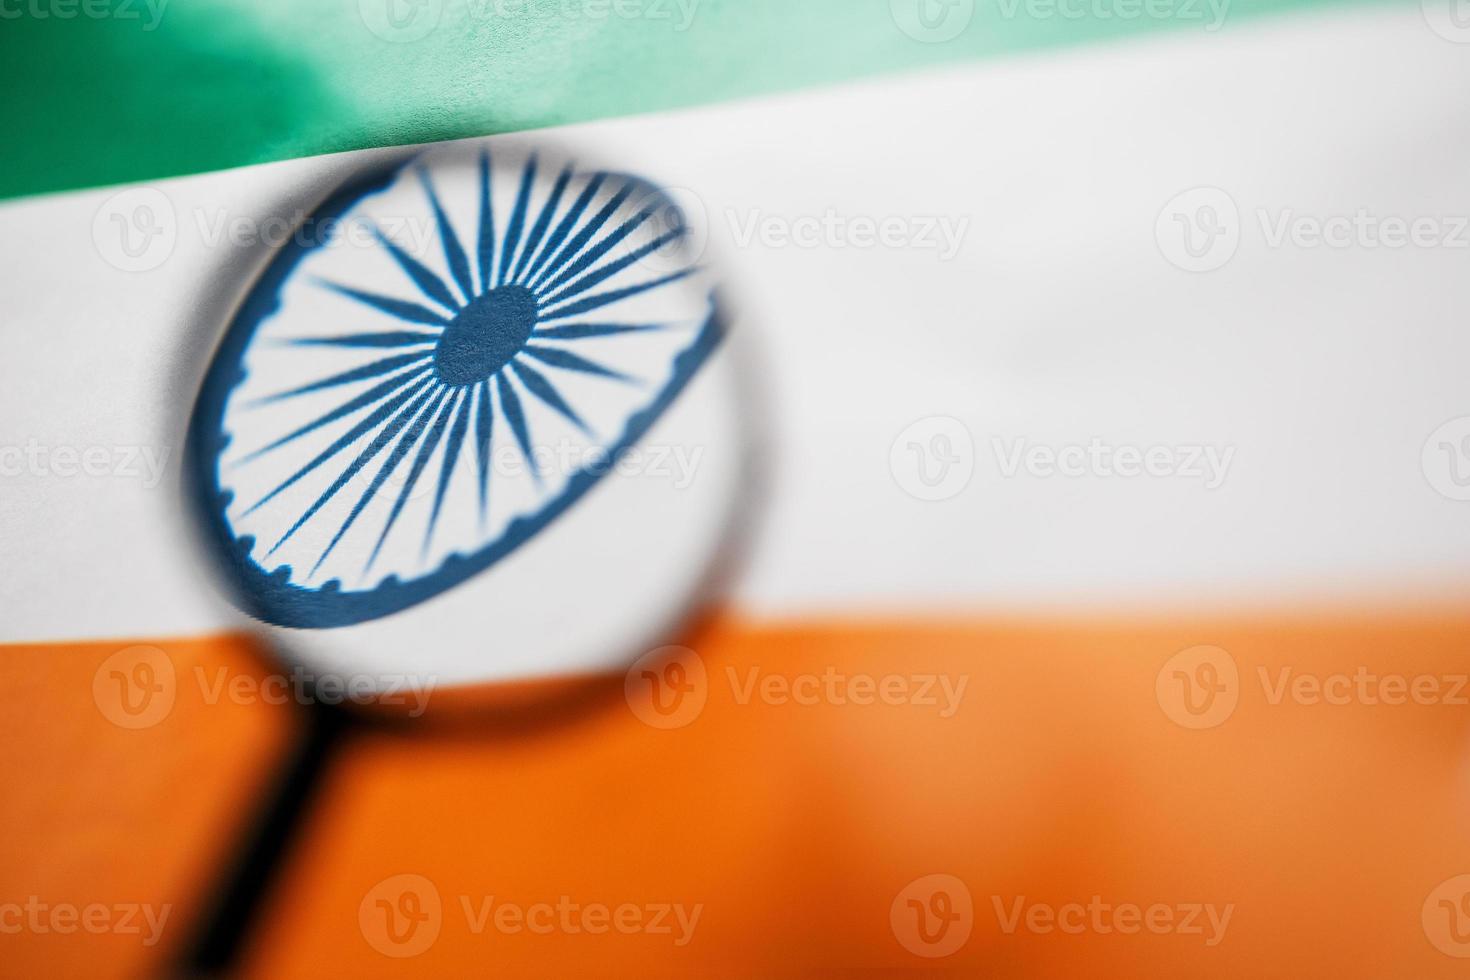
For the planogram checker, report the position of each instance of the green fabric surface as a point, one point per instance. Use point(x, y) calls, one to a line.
point(120, 91)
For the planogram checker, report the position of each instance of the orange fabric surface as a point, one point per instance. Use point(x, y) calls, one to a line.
point(795, 827)
point(804, 827)
point(122, 798)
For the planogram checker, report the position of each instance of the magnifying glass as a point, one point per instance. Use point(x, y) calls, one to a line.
point(482, 421)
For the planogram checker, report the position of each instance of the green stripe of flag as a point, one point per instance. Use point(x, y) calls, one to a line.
point(109, 91)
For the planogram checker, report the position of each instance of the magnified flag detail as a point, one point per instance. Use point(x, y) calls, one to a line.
point(403, 402)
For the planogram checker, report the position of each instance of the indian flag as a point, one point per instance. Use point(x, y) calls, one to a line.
point(697, 487)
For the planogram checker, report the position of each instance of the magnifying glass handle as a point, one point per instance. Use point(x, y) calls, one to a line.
point(265, 846)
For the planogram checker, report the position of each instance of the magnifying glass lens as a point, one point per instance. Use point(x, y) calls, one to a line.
point(487, 430)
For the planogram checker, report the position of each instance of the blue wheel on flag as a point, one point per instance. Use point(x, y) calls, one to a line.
point(446, 357)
